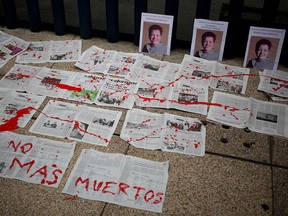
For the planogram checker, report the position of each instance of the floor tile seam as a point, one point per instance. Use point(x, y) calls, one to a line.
point(247, 160)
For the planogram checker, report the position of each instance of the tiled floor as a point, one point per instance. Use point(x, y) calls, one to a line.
point(245, 175)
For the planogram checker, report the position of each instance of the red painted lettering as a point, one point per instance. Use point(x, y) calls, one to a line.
point(123, 187)
point(55, 177)
point(42, 171)
point(137, 192)
point(86, 182)
point(147, 198)
point(159, 194)
point(108, 186)
point(22, 165)
point(98, 187)
point(29, 147)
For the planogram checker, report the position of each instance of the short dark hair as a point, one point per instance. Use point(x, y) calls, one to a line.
point(155, 27)
point(263, 42)
point(208, 34)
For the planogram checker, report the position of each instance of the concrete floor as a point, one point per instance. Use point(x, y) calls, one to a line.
point(247, 175)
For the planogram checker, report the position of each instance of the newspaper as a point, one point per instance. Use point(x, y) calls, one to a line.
point(230, 78)
point(77, 122)
point(10, 47)
point(65, 51)
point(259, 116)
point(195, 70)
point(96, 60)
point(94, 125)
point(89, 85)
point(37, 52)
point(117, 92)
point(18, 106)
point(167, 132)
point(34, 160)
point(274, 82)
point(123, 63)
point(51, 82)
point(20, 77)
point(147, 67)
point(189, 98)
point(119, 179)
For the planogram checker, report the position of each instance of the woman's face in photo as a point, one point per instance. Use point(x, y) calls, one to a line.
point(263, 51)
point(155, 37)
point(208, 43)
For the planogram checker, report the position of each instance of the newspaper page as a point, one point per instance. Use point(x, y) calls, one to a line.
point(274, 82)
point(37, 52)
point(230, 78)
point(172, 72)
point(94, 125)
point(154, 93)
point(189, 98)
point(65, 51)
point(14, 104)
point(4, 93)
point(117, 92)
point(183, 135)
point(19, 77)
point(96, 60)
point(56, 119)
point(208, 39)
point(147, 67)
point(119, 179)
point(34, 160)
point(264, 48)
point(122, 64)
point(156, 33)
point(269, 118)
point(10, 47)
point(143, 129)
point(90, 84)
point(195, 70)
point(51, 82)
point(229, 109)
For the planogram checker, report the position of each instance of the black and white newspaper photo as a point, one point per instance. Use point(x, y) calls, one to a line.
point(264, 48)
point(208, 39)
point(34, 160)
point(96, 60)
point(155, 33)
point(10, 47)
point(119, 179)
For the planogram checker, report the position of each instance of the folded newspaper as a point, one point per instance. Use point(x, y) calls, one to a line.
point(167, 132)
point(34, 160)
point(77, 122)
point(259, 116)
point(119, 179)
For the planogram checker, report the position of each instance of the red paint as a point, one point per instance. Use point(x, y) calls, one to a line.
point(107, 185)
point(149, 195)
point(23, 150)
point(123, 187)
point(85, 181)
point(12, 123)
point(29, 164)
point(138, 189)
